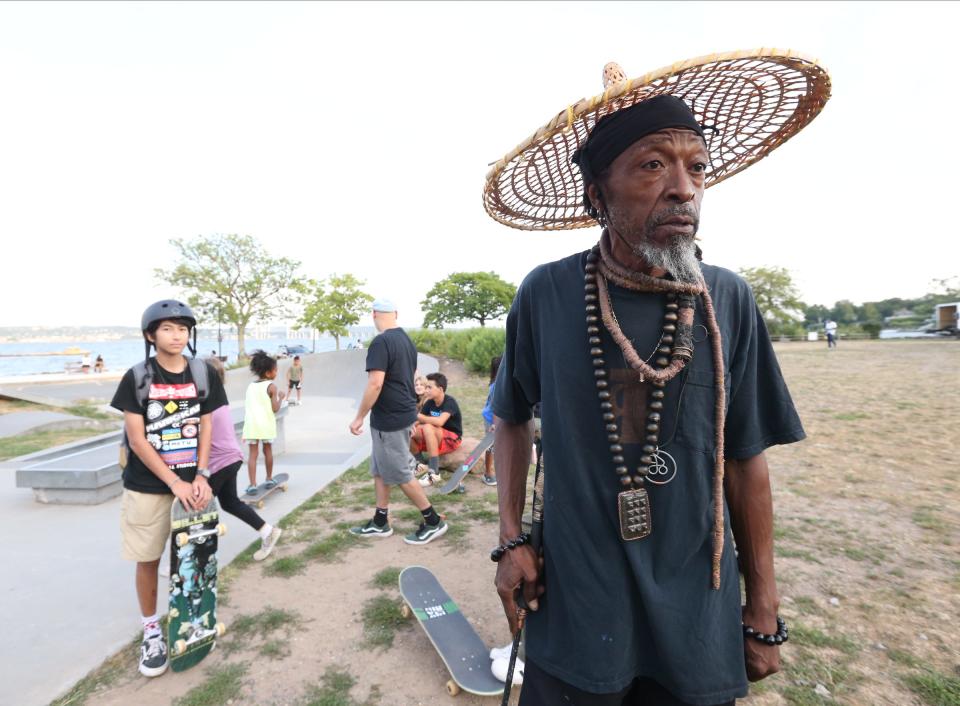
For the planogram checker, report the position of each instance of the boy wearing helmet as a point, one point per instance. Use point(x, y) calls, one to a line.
point(166, 403)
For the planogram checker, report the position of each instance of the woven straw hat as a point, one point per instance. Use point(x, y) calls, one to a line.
point(750, 103)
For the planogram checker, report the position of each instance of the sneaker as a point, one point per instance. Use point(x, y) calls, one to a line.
point(267, 545)
point(371, 530)
point(270, 483)
point(499, 669)
point(426, 533)
point(489, 480)
point(251, 490)
point(501, 652)
point(153, 655)
point(430, 479)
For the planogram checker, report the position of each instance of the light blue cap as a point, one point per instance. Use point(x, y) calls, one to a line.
point(384, 305)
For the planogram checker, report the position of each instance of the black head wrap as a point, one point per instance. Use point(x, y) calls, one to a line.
point(615, 132)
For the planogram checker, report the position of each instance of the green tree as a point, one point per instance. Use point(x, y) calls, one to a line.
point(816, 314)
point(844, 312)
point(777, 296)
point(477, 296)
point(334, 304)
point(230, 278)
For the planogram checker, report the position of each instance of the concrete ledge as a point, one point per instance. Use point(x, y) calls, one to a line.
point(88, 472)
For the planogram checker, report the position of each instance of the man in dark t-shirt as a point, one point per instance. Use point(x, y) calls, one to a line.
point(439, 428)
point(392, 403)
point(659, 391)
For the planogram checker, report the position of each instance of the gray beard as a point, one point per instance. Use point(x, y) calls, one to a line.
point(679, 258)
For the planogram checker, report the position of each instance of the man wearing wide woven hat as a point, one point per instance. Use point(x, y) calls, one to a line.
point(654, 478)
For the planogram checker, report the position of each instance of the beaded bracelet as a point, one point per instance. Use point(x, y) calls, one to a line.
point(497, 554)
point(778, 638)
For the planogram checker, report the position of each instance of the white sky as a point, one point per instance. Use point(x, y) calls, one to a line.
point(355, 138)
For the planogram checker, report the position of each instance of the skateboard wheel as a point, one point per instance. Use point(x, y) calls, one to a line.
point(260, 504)
point(220, 628)
point(183, 539)
point(453, 688)
point(284, 487)
point(405, 611)
point(221, 529)
point(174, 613)
point(179, 647)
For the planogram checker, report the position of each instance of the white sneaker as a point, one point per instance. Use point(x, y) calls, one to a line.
point(501, 652)
point(430, 479)
point(267, 545)
point(499, 669)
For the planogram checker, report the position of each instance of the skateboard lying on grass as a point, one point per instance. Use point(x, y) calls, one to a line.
point(193, 629)
point(466, 657)
point(263, 491)
point(469, 462)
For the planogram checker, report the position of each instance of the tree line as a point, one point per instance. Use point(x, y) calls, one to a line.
point(786, 314)
point(233, 279)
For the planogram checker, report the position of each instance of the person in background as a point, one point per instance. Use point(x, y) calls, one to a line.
point(260, 421)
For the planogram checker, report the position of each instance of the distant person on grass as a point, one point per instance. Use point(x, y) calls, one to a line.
point(295, 378)
point(226, 458)
point(168, 424)
point(830, 328)
point(389, 397)
point(439, 428)
point(260, 418)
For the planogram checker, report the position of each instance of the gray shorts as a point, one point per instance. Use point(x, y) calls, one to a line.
point(391, 459)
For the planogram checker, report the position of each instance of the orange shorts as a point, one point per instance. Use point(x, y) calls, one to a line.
point(450, 442)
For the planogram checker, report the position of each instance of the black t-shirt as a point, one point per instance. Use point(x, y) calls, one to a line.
point(615, 610)
point(394, 353)
point(171, 419)
point(454, 421)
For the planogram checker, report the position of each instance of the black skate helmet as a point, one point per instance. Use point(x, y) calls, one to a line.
point(164, 310)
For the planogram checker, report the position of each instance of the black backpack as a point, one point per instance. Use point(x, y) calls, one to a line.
point(200, 372)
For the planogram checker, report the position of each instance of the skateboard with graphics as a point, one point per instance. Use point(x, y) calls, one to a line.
point(463, 653)
point(263, 491)
point(193, 629)
point(469, 462)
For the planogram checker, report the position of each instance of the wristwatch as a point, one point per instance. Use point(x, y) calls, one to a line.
point(205, 472)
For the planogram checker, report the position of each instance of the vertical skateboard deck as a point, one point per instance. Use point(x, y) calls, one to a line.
point(463, 653)
point(193, 629)
point(468, 464)
point(263, 491)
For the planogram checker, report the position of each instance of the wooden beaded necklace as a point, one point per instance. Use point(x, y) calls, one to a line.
point(675, 350)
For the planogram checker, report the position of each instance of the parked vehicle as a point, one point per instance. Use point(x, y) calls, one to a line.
point(292, 350)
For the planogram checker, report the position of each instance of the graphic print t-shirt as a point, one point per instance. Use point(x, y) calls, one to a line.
point(454, 421)
point(171, 418)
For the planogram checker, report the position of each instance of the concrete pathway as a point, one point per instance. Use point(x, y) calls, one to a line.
point(69, 598)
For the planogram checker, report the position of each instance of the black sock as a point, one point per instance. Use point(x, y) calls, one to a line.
point(430, 516)
point(434, 464)
point(380, 517)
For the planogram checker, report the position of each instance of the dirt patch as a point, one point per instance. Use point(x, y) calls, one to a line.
point(867, 560)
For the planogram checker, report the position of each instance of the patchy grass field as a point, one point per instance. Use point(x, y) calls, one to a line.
point(867, 558)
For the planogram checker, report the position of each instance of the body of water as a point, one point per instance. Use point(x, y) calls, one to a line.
point(121, 354)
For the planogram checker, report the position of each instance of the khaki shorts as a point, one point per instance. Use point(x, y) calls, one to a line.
point(144, 524)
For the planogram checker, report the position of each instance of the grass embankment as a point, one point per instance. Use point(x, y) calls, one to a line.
point(33, 441)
